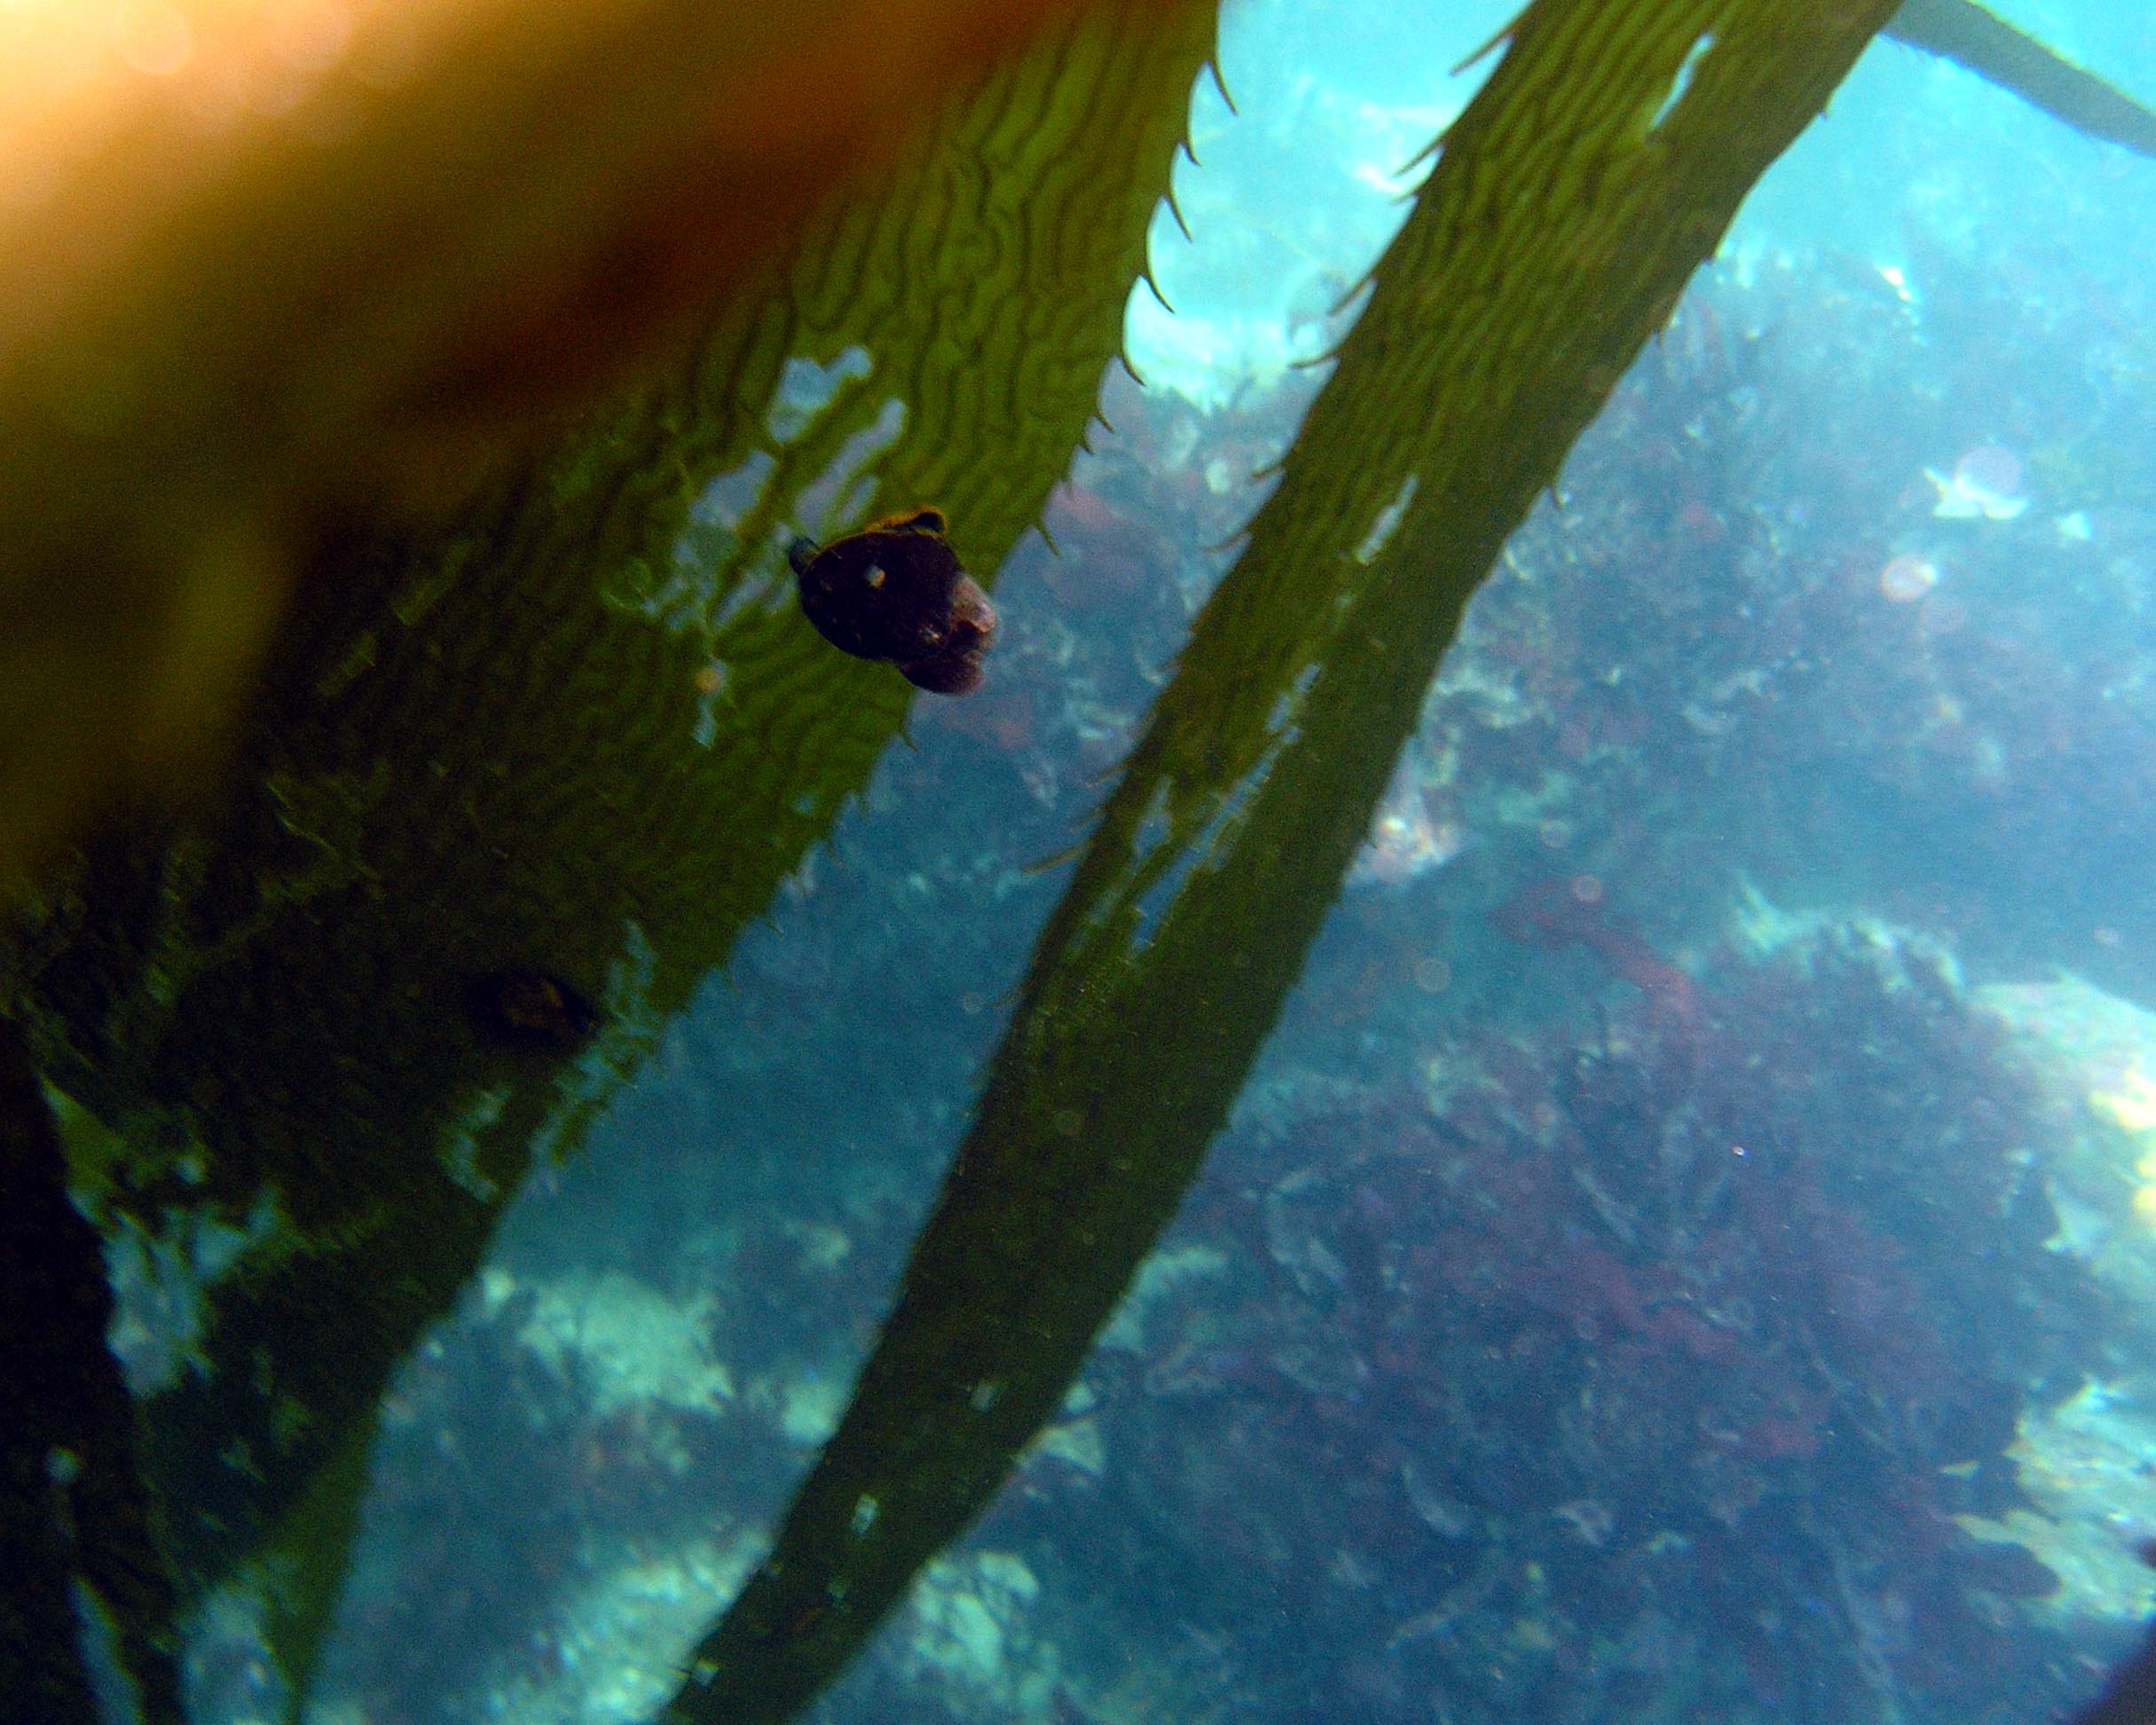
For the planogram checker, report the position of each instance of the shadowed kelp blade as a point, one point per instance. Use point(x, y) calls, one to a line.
point(90, 1522)
point(1994, 50)
point(1595, 170)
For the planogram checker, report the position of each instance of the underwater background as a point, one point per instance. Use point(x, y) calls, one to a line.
point(1688, 1250)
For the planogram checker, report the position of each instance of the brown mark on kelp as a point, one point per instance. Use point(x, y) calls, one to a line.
point(530, 1011)
point(894, 591)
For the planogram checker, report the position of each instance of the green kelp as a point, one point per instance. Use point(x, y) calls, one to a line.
point(261, 269)
point(1993, 49)
point(566, 750)
point(1596, 170)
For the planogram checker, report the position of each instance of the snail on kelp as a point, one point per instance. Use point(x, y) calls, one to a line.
point(894, 591)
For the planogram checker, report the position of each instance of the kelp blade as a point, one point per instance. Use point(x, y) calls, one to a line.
point(579, 736)
point(259, 270)
point(1994, 50)
point(1596, 170)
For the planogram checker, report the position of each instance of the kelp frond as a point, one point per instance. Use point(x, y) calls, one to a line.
point(570, 743)
point(258, 278)
point(1595, 170)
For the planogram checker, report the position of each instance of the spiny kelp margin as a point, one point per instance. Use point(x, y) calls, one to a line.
point(1596, 170)
point(560, 754)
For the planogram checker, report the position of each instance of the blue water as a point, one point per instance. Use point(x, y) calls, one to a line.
point(1682, 1256)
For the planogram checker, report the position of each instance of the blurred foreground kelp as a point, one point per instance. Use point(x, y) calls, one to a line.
point(540, 729)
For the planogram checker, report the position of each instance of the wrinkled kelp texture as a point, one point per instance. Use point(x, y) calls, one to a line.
point(513, 789)
point(1598, 167)
point(263, 268)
